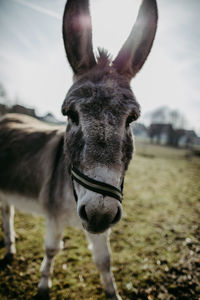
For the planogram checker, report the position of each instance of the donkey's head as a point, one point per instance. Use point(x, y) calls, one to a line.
point(100, 107)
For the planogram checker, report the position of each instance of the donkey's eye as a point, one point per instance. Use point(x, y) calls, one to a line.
point(73, 116)
point(131, 118)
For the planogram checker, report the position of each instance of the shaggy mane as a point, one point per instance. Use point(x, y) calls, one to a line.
point(103, 57)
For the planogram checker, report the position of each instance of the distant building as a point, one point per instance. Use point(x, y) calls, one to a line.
point(165, 134)
point(17, 109)
point(161, 133)
point(22, 110)
point(49, 118)
point(188, 138)
point(3, 109)
point(140, 131)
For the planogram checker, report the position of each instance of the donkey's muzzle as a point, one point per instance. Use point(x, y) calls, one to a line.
point(95, 185)
point(101, 207)
point(100, 214)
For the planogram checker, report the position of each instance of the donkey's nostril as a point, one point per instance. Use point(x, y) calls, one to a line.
point(82, 213)
point(117, 217)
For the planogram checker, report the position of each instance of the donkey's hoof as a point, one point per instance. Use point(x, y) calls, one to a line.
point(7, 260)
point(43, 294)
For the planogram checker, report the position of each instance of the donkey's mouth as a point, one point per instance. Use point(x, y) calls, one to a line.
point(94, 229)
point(99, 225)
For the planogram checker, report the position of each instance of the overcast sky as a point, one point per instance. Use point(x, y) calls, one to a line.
point(33, 66)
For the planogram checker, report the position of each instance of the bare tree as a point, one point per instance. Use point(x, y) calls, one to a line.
point(165, 115)
point(158, 115)
point(177, 119)
point(168, 124)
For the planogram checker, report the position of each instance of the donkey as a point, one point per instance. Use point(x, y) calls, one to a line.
point(74, 175)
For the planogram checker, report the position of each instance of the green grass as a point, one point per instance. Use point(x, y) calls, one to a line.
point(157, 239)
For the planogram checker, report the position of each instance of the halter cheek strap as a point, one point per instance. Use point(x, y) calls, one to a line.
point(95, 185)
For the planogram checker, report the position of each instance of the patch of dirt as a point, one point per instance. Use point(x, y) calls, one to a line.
point(180, 282)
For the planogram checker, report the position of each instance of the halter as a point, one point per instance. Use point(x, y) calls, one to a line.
point(95, 185)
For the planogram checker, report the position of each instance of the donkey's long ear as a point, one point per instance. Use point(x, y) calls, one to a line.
point(77, 36)
point(135, 50)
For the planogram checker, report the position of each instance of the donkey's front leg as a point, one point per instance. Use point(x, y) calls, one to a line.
point(53, 244)
point(101, 254)
point(9, 233)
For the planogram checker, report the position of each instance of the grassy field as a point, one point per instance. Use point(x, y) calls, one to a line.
point(156, 246)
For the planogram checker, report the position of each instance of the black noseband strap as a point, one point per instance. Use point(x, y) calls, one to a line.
point(96, 186)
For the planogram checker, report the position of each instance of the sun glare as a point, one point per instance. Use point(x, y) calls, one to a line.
point(112, 23)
